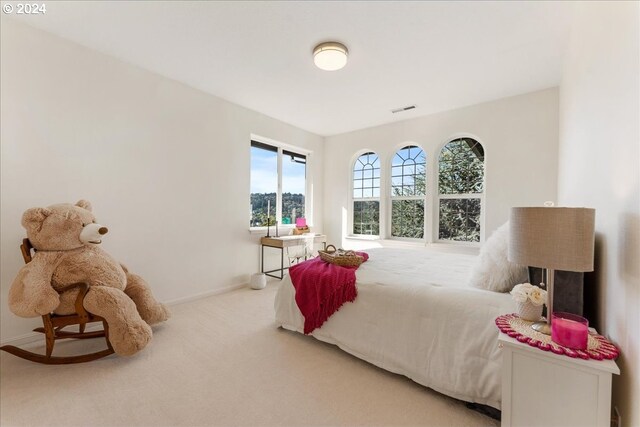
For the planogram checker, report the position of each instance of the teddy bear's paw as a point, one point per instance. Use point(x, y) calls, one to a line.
point(46, 307)
point(158, 313)
point(31, 294)
point(129, 339)
point(48, 302)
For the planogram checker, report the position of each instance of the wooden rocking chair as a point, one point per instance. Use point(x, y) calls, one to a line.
point(54, 323)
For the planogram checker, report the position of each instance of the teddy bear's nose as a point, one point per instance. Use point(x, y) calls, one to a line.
point(103, 230)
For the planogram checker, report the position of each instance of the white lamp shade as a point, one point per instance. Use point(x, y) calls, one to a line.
point(330, 56)
point(554, 238)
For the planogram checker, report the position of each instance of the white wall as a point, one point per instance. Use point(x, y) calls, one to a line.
point(165, 166)
point(600, 168)
point(519, 135)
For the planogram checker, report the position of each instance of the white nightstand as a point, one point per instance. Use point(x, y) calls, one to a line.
point(540, 388)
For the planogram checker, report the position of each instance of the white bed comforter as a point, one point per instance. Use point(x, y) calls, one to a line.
point(415, 316)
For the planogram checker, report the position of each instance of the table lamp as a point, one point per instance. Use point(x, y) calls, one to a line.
point(552, 238)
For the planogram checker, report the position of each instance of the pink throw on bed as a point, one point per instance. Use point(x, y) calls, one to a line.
point(322, 288)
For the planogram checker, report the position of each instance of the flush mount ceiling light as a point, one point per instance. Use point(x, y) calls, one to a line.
point(330, 56)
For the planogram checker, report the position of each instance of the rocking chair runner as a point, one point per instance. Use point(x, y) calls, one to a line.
point(54, 323)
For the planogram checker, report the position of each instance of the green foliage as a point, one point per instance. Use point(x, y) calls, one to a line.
point(407, 215)
point(460, 220)
point(407, 218)
point(461, 171)
point(366, 217)
point(461, 167)
point(259, 207)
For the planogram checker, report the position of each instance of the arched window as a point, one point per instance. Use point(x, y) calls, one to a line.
point(366, 195)
point(408, 191)
point(461, 190)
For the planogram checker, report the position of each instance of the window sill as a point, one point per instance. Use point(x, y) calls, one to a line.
point(363, 237)
point(418, 244)
point(283, 230)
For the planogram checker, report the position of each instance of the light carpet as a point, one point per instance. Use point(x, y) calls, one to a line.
point(221, 361)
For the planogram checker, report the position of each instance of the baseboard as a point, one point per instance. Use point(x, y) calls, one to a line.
point(38, 338)
point(205, 294)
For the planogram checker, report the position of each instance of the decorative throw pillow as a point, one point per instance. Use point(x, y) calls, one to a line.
point(493, 271)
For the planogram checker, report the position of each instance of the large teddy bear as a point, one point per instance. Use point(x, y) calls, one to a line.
point(66, 239)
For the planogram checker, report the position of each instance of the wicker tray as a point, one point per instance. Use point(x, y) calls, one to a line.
point(340, 257)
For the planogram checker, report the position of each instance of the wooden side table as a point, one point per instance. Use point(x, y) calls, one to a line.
point(283, 242)
point(540, 388)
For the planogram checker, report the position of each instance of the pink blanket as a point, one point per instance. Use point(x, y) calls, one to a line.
point(322, 288)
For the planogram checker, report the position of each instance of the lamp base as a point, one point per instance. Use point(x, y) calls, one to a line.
point(542, 327)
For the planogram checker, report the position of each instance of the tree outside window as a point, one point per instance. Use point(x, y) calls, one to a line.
point(366, 195)
point(278, 183)
point(408, 191)
point(461, 190)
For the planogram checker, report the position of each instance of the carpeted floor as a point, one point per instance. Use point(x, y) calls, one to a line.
point(220, 361)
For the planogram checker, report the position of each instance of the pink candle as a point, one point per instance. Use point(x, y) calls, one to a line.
point(570, 330)
point(301, 222)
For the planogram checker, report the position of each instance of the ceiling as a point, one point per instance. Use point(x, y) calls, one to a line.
point(435, 55)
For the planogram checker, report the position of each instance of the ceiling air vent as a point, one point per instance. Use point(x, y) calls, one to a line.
point(398, 110)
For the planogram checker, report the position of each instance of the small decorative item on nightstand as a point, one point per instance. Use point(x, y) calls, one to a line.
point(570, 330)
point(529, 299)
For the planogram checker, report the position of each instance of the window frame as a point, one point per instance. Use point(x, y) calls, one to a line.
point(424, 197)
point(352, 199)
point(438, 197)
point(281, 148)
point(432, 197)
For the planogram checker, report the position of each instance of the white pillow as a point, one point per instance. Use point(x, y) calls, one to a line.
point(493, 271)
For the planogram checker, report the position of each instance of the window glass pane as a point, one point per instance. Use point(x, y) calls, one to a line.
point(408, 172)
point(460, 220)
point(294, 169)
point(407, 218)
point(264, 184)
point(397, 161)
point(461, 167)
point(366, 218)
point(366, 166)
point(408, 169)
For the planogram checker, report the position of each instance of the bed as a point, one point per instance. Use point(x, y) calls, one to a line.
point(416, 316)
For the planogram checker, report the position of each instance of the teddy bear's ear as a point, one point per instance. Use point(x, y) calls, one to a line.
point(32, 218)
point(84, 204)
